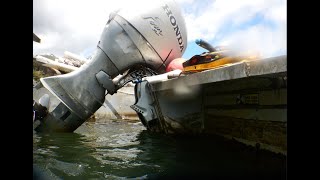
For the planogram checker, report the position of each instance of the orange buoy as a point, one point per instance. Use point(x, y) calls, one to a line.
point(175, 64)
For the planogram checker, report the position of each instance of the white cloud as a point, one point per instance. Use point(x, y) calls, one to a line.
point(226, 18)
point(72, 25)
point(268, 44)
point(76, 25)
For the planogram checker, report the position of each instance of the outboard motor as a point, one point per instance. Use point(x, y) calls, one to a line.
point(134, 43)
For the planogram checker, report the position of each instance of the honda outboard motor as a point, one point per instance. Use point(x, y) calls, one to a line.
point(138, 41)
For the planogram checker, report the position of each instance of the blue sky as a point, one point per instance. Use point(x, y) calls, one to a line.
point(76, 25)
point(226, 29)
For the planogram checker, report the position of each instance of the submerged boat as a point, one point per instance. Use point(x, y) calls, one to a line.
point(246, 101)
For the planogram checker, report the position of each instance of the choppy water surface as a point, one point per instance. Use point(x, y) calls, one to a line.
point(124, 150)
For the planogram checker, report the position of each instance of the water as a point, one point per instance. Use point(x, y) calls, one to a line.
point(124, 150)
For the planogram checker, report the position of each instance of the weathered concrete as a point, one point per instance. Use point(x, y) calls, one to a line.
point(116, 106)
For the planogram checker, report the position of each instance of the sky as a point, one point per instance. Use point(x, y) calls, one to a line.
point(76, 25)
